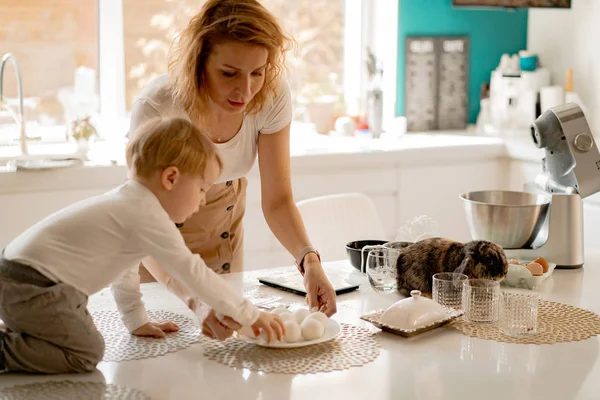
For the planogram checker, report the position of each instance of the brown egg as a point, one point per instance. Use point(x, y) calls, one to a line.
point(535, 269)
point(516, 262)
point(543, 262)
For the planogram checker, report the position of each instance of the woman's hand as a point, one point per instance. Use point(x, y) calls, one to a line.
point(320, 292)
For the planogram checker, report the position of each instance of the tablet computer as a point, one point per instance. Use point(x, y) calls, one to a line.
point(290, 280)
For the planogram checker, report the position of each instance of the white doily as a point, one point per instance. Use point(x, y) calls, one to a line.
point(355, 346)
point(67, 390)
point(123, 346)
point(253, 292)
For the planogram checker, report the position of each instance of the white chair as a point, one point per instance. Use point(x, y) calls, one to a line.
point(334, 220)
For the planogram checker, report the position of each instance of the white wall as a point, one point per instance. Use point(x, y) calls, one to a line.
point(569, 39)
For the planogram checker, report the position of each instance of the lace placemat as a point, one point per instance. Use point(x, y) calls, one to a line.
point(355, 346)
point(251, 287)
point(254, 291)
point(123, 346)
point(557, 322)
point(67, 390)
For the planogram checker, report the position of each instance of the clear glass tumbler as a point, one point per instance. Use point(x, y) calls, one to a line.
point(447, 289)
point(481, 298)
point(519, 313)
point(381, 269)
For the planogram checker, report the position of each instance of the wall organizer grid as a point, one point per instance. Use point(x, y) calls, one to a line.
point(437, 82)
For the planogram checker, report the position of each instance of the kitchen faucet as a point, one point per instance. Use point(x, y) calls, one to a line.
point(20, 117)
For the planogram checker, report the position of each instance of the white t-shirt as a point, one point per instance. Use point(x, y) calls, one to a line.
point(239, 153)
point(102, 239)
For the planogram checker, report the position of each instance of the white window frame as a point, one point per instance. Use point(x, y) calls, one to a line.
point(371, 23)
point(111, 65)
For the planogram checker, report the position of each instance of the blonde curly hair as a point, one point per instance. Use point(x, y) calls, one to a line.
point(220, 21)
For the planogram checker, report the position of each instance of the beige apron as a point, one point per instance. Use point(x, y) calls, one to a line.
point(215, 231)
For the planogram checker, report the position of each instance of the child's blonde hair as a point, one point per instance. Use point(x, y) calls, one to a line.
point(166, 142)
point(242, 21)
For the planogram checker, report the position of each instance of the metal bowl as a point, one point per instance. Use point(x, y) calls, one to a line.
point(512, 220)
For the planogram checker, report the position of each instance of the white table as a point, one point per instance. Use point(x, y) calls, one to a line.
point(442, 364)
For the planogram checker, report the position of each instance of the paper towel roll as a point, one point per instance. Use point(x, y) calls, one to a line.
point(535, 80)
point(551, 96)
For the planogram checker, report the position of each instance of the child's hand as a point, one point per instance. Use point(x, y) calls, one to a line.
point(156, 329)
point(193, 303)
point(271, 324)
point(216, 328)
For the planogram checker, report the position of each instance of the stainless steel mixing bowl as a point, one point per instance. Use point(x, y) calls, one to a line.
point(512, 220)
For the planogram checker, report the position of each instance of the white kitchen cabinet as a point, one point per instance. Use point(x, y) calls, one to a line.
point(591, 226)
point(435, 191)
point(261, 247)
point(522, 172)
point(399, 193)
point(421, 174)
point(19, 211)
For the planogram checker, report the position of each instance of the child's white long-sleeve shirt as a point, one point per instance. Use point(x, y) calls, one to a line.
point(101, 241)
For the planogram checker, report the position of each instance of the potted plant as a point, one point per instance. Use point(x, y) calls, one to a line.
point(322, 102)
point(374, 94)
point(83, 132)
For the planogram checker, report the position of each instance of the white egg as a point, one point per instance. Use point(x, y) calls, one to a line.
point(286, 316)
point(311, 329)
point(293, 333)
point(300, 314)
point(279, 310)
point(320, 317)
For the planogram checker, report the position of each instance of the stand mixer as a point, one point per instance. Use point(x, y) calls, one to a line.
point(546, 219)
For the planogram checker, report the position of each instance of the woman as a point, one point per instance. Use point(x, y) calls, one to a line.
point(225, 75)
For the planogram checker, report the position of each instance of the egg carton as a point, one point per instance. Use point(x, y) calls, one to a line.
point(520, 277)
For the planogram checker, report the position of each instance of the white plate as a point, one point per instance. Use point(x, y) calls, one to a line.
point(333, 329)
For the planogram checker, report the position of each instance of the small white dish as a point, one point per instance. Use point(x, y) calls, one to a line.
point(414, 312)
point(412, 316)
point(332, 331)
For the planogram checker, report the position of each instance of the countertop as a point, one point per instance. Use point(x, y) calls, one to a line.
point(106, 165)
point(441, 364)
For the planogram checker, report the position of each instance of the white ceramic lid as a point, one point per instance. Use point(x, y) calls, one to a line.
point(414, 312)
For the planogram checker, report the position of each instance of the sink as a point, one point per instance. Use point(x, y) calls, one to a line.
point(44, 164)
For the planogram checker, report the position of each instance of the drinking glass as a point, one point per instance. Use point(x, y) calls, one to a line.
point(447, 289)
point(519, 313)
point(481, 300)
point(381, 269)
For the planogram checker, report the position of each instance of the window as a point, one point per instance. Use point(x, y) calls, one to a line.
point(327, 68)
point(86, 56)
point(317, 65)
point(55, 43)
